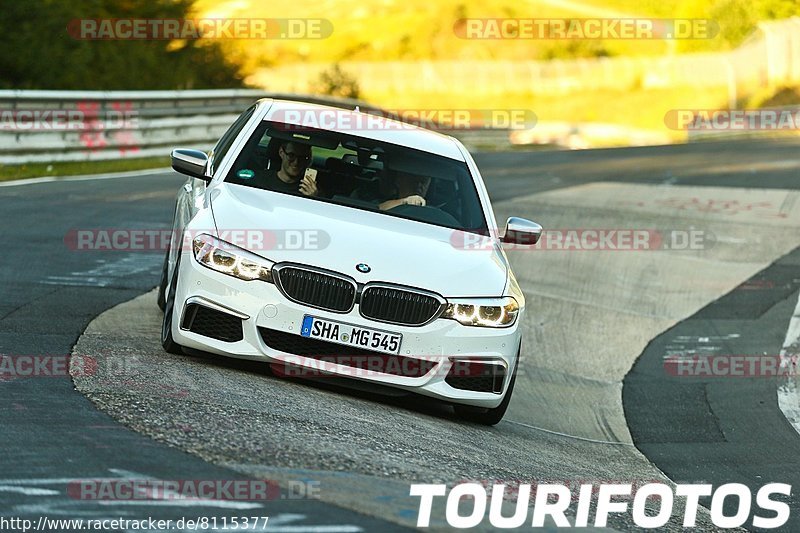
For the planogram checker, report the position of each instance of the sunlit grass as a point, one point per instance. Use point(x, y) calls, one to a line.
point(36, 170)
point(638, 108)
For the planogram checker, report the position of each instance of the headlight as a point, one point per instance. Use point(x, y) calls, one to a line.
point(486, 312)
point(228, 259)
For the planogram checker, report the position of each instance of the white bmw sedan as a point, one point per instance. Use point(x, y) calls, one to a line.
point(330, 242)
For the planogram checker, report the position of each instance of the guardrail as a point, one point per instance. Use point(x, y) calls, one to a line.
point(57, 126)
point(61, 126)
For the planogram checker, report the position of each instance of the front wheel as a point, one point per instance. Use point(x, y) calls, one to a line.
point(167, 342)
point(484, 416)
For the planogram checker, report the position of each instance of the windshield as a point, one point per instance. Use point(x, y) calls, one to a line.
point(360, 173)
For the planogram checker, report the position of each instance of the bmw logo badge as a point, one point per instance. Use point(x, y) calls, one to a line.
point(363, 268)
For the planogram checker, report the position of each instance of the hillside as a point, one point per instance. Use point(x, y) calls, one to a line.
point(380, 30)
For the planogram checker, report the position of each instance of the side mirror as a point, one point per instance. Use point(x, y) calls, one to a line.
point(522, 231)
point(190, 162)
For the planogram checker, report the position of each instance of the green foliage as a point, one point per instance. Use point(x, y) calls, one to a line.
point(739, 18)
point(572, 49)
point(39, 53)
point(780, 97)
point(775, 9)
point(336, 82)
point(736, 20)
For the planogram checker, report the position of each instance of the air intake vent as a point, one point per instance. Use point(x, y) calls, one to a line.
point(476, 376)
point(212, 323)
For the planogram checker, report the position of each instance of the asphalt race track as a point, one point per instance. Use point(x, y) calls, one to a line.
point(593, 402)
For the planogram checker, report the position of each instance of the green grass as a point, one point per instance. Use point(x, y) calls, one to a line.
point(37, 170)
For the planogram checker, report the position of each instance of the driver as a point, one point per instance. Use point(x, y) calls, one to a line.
point(409, 189)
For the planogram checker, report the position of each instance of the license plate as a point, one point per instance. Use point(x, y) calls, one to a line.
point(350, 335)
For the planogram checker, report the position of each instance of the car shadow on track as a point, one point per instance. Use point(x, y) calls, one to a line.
point(374, 393)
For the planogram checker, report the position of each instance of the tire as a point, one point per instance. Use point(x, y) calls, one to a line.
point(167, 342)
point(162, 285)
point(489, 417)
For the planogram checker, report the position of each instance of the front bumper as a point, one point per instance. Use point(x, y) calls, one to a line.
point(260, 305)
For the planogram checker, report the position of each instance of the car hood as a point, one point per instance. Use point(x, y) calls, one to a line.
point(334, 237)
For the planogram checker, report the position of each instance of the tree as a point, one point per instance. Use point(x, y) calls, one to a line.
point(337, 82)
point(38, 52)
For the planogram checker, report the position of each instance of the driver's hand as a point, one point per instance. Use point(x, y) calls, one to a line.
point(414, 200)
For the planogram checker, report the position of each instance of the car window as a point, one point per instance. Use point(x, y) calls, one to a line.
point(361, 173)
point(226, 141)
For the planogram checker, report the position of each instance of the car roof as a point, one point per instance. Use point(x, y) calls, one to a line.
point(358, 124)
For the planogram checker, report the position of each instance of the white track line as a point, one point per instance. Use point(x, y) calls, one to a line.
point(566, 435)
point(29, 491)
point(53, 179)
point(788, 393)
